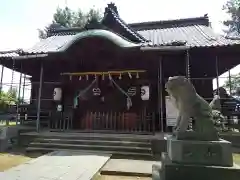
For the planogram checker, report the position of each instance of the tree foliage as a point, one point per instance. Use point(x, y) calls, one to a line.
point(8, 98)
point(68, 18)
point(233, 84)
point(232, 7)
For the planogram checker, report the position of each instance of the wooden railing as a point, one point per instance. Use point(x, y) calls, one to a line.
point(118, 121)
point(105, 121)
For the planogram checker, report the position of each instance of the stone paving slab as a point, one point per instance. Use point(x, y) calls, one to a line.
point(129, 167)
point(58, 165)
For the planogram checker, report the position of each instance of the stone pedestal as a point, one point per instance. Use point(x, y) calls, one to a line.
point(7, 133)
point(216, 153)
point(196, 160)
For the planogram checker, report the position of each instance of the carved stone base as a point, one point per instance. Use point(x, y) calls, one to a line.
point(217, 153)
point(172, 171)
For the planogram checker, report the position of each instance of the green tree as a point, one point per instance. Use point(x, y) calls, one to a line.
point(233, 84)
point(232, 7)
point(8, 98)
point(68, 18)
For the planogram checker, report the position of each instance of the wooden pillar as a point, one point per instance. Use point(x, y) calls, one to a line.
point(18, 96)
point(13, 68)
point(24, 85)
point(230, 82)
point(39, 98)
point(1, 81)
point(160, 94)
point(217, 74)
point(20, 84)
point(187, 65)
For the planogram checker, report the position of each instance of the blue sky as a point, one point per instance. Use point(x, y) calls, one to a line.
point(20, 19)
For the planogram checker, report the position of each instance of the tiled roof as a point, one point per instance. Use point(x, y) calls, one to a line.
point(59, 43)
point(63, 31)
point(9, 54)
point(50, 44)
point(194, 32)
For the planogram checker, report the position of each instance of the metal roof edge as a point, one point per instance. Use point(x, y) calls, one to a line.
point(29, 56)
point(165, 48)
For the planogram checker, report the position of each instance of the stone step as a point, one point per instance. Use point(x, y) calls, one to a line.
point(101, 147)
point(89, 136)
point(128, 155)
point(93, 142)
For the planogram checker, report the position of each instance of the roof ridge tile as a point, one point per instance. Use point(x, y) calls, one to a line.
point(204, 20)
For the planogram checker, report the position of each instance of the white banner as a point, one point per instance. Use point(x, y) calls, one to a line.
point(171, 112)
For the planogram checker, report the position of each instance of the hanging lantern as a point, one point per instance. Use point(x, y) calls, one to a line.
point(145, 93)
point(102, 76)
point(57, 94)
point(109, 76)
point(137, 76)
point(80, 78)
point(70, 78)
point(87, 77)
point(129, 74)
point(120, 76)
point(95, 76)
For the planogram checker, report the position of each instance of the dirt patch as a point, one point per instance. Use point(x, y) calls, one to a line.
point(10, 160)
point(15, 157)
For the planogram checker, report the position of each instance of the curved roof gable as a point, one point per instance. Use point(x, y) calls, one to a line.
point(62, 43)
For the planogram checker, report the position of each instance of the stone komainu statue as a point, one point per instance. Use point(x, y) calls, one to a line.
point(190, 106)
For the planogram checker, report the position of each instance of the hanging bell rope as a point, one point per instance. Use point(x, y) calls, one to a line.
point(86, 89)
point(129, 100)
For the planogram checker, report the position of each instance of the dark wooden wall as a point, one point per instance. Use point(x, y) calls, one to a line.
point(104, 56)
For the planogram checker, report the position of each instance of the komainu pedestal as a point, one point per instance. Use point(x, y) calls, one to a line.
point(196, 160)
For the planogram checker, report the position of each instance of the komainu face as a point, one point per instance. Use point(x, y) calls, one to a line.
point(179, 86)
